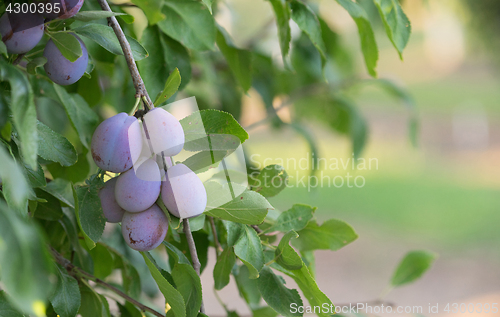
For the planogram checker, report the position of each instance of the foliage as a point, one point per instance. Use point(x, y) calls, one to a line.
point(50, 210)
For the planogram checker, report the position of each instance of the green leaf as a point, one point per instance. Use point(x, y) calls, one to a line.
point(34, 63)
point(309, 137)
point(25, 261)
point(271, 180)
point(13, 180)
point(172, 296)
point(36, 178)
point(66, 299)
point(367, 37)
point(203, 161)
point(264, 312)
point(92, 304)
point(397, 25)
point(23, 111)
point(187, 281)
point(68, 45)
point(202, 123)
point(129, 310)
point(190, 23)
point(223, 267)
point(82, 118)
point(152, 10)
point(234, 231)
point(75, 173)
point(103, 260)
point(171, 87)
point(105, 36)
point(87, 16)
point(308, 22)
point(248, 249)
point(208, 4)
point(239, 60)
point(62, 190)
point(49, 210)
point(412, 267)
point(295, 218)
point(247, 287)
point(54, 147)
point(3, 48)
point(285, 255)
point(277, 295)
point(6, 308)
point(332, 235)
point(282, 11)
point(89, 212)
point(248, 208)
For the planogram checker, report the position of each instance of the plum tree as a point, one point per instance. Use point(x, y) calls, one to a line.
point(68, 8)
point(61, 70)
point(112, 211)
point(164, 131)
point(144, 231)
point(21, 32)
point(183, 193)
point(117, 143)
point(137, 189)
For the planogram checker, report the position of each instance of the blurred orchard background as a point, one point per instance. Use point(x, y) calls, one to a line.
point(442, 195)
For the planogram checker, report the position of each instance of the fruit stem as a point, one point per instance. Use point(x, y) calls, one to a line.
point(194, 254)
point(136, 105)
point(140, 88)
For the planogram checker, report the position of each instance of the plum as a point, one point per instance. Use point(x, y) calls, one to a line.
point(61, 70)
point(183, 193)
point(137, 189)
point(164, 131)
point(144, 231)
point(67, 8)
point(117, 143)
point(110, 208)
point(21, 32)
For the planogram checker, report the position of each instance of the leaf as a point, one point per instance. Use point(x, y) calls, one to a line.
point(223, 267)
point(277, 295)
point(6, 308)
point(295, 218)
point(75, 173)
point(271, 180)
point(152, 10)
point(190, 23)
point(209, 4)
point(105, 36)
point(25, 261)
point(54, 147)
point(66, 299)
point(103, 261)
point(23, 111)
point(68, 45)
point(264, 312)
point(62, 190)
point(171, 87)
point(332, 235)
point(87, 16)
point(247, 208)
point(36, 178)
point(367, 37)
point(412, 267)
point(248, 249)
point(34, 63)
point(312, 142)
point(172, 296)
point(187, 281)
point(239, 60)
point(285, 255)
point(13, 180)
point(3, 48)
point(247, 287)
point(92, 304)
point(49, 210)
point(308, 22)
point(205, 160)
point(89, 212)
point(397, 25)
point(282, 11)
point(202, 123)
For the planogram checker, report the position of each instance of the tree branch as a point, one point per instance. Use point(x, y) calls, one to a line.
point(194, 254)
point(79, 273)
point(140, 89)
point(218, 248)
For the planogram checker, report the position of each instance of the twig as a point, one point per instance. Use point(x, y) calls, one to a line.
point(79, 273)
point(218, 248)
point(18, 59)
point(140, 88)
point(256, 228)
point(194, 254)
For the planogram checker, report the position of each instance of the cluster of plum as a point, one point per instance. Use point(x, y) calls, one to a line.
point(22, 31)
point(141, 153)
